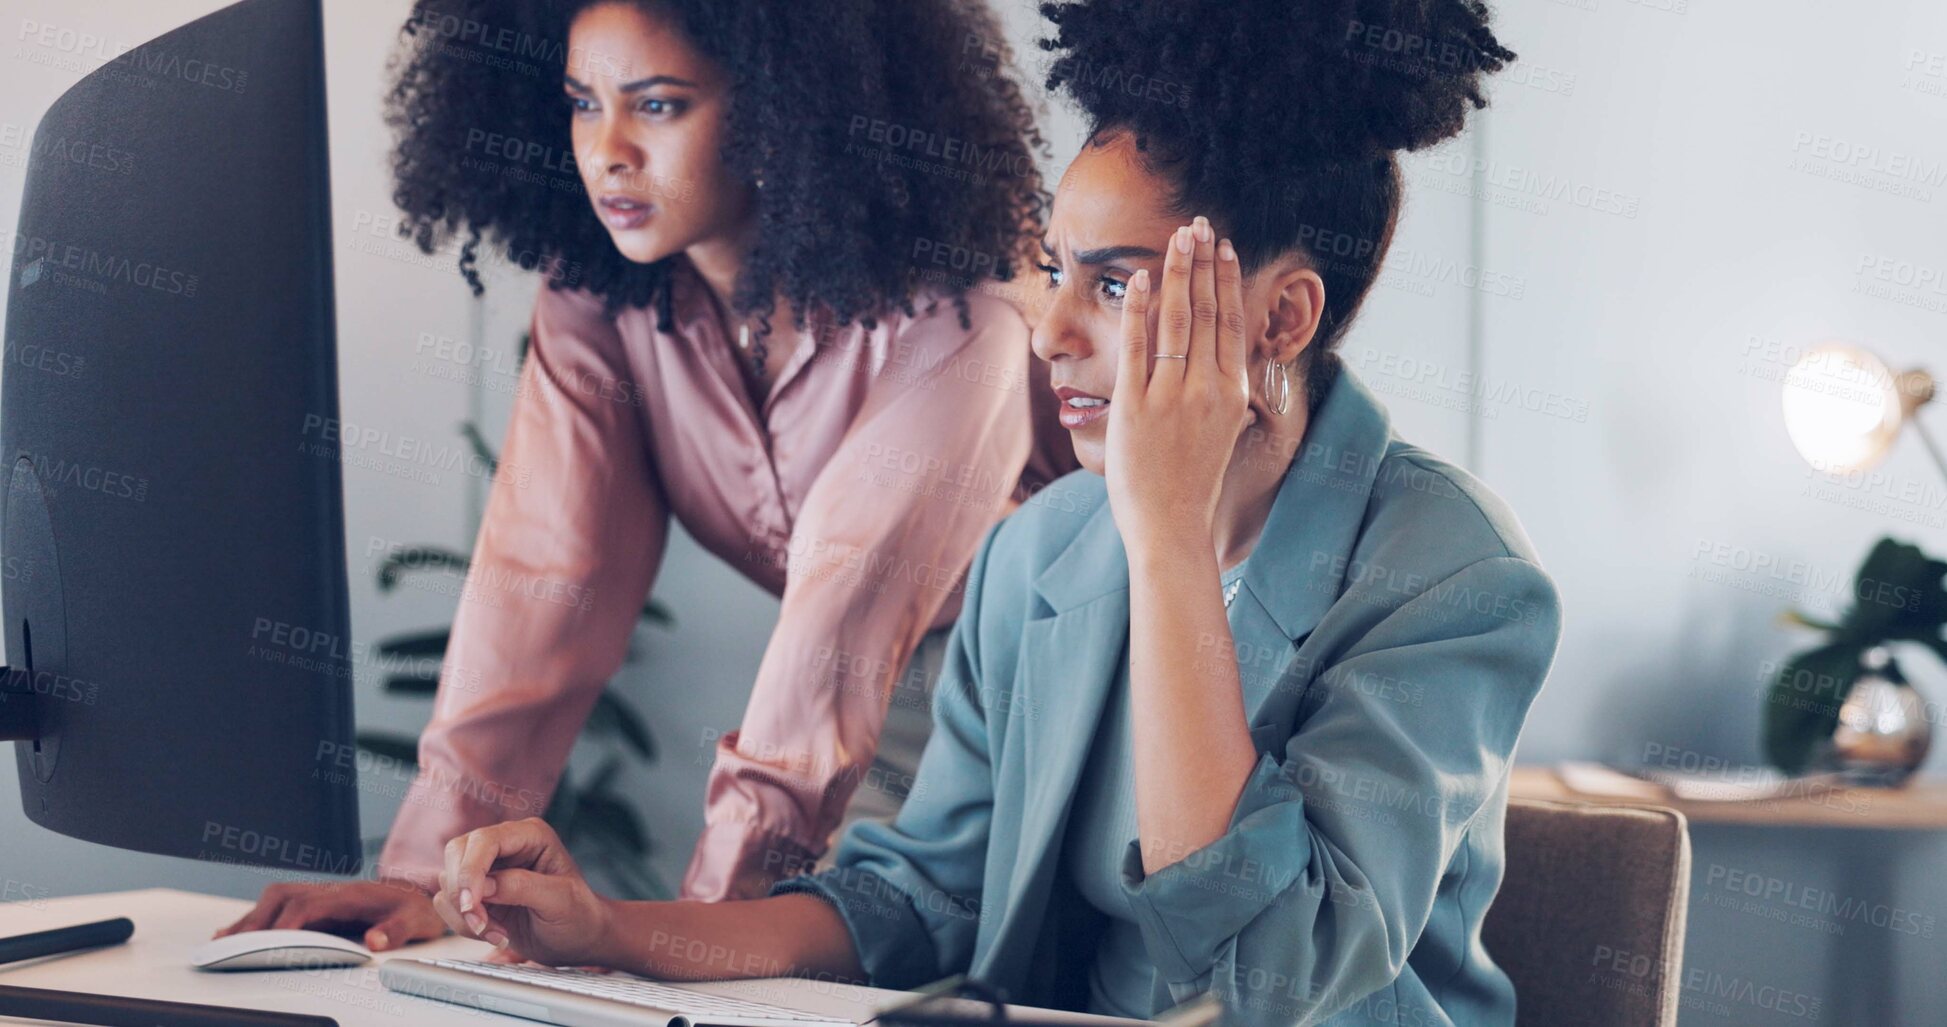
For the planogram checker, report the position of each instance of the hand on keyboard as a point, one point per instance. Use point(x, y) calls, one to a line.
point(510, 957)
point(515, 885)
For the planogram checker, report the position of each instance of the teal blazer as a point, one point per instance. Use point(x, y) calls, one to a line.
point(1392, 629)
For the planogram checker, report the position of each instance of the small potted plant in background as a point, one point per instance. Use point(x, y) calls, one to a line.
point(593, 819)
point(1845, 705)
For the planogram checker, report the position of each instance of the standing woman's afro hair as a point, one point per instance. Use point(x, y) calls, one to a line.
point(483, 152)
point(1282, 119)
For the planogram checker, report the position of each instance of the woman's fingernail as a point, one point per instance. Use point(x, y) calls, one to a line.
point(477, 922)
point(1182, 240)
point(497, 938)
point(1225, 252)
point(1203, 228)
point(1140, 280)
point(466, 899)
point(379, 940)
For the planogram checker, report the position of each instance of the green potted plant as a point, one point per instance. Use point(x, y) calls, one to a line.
point(1818, 712)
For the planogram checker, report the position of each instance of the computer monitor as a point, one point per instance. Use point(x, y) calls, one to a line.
point(173, 574)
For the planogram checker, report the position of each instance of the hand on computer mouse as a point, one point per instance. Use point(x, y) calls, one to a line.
point(391, 915)
point(515, 885)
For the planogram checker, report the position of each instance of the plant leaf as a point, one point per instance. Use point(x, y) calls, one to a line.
point(1801, 709)
point(1898, 595)
point(611, 819)
point(412, 684)
point(612, 716)
point(419, 558)
point(419, 645)
point(481, 451)
point(601, 783)
point(564, 809)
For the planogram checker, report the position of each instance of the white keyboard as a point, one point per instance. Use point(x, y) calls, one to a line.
point(635, 991)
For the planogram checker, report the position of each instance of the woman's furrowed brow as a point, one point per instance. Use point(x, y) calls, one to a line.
point(1104, 254)
point(1110, 254)
point(656, 80)
point(633, 87)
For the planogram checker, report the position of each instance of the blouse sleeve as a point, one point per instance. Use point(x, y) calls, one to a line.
point(881, 544)
point(574, 530)
point(910, 891)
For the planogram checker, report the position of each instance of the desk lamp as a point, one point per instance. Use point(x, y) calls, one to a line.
point(1844, 409)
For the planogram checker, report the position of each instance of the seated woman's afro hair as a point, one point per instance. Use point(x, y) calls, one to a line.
point(823, 94)
point(1281, 119)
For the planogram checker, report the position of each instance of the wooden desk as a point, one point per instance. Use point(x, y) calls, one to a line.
point(154, 963)
point(1920, 807)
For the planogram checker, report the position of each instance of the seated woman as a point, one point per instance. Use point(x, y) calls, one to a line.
point(1231, 709)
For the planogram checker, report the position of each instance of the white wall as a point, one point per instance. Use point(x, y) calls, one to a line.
point(1671, 327)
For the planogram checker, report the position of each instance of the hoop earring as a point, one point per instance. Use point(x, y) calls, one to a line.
point(1282, 393)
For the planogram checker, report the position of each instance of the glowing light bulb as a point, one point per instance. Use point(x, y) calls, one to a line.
point(1842, 408)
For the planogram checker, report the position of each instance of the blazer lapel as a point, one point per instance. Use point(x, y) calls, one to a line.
point(1069, 660)
point(1304, 554)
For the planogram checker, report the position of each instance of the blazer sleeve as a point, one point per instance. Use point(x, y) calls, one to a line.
point(574, 529)
point(909, 891)
point(876, 554)
point(1311, 900)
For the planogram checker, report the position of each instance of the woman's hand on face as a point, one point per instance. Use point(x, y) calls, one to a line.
point(515, 885)
point(1174, 423)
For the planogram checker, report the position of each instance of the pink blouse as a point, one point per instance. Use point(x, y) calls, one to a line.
point(857, 492)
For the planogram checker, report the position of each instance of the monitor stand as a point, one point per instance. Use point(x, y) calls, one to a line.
point(17, 720)
point(18, 724)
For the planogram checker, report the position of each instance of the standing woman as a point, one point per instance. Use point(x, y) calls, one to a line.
point(738, 328)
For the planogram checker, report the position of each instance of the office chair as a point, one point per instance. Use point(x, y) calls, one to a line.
point(1590, 917)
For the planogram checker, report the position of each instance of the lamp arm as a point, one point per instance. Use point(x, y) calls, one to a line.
point(1933, 448)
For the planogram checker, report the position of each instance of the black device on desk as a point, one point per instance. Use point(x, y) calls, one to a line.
point(172, 557)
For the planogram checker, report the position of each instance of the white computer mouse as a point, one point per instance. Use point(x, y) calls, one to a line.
point(278, 950)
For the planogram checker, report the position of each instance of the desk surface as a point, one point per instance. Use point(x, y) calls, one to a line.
point(154, 963)
point(1920, 806)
